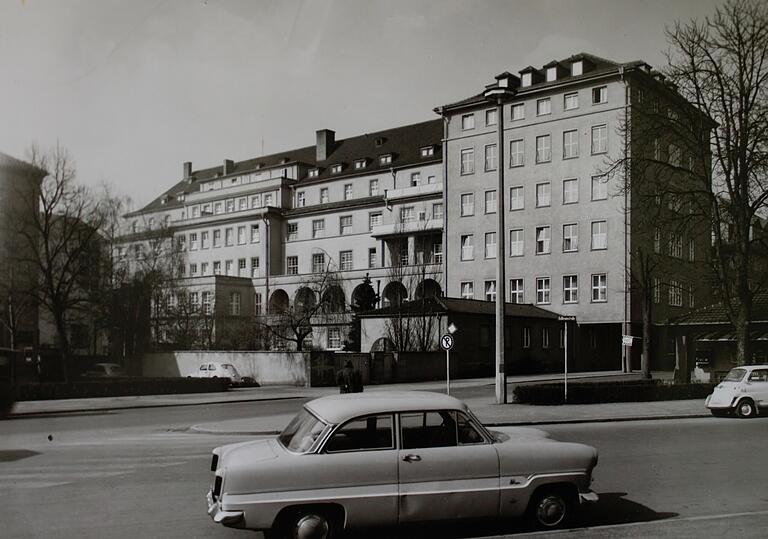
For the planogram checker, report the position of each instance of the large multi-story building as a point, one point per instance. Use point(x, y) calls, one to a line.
point(572, 207)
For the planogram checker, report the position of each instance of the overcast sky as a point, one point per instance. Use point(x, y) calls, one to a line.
point(133, 89)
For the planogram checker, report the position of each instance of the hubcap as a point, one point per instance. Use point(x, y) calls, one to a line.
point(746, 408)
point(551, 510)
point(311, 527)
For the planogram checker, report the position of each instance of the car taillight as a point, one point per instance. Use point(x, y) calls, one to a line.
point(217, 488)
point(214, 462)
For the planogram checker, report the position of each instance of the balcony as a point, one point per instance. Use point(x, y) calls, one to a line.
point(415, 191)
point(407, 228)
point(238, 190)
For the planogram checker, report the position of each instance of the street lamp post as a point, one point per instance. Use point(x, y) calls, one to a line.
point(499, 94)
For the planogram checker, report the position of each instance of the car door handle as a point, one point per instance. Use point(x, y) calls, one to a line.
point(411, 458)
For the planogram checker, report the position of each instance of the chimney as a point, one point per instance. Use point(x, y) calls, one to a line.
point(228, 167)
point(326, 140)
point(187, 170)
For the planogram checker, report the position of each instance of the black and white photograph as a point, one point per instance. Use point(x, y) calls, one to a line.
point(383, 269)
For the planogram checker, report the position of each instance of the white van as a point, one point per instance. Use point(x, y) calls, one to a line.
point(215, 369)
point(744, 391)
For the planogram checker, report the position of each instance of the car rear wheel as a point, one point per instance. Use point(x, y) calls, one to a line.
point(745, 408)
point(550, 508)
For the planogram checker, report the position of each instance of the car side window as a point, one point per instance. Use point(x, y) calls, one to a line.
point(362, 434)
point(203, 367)
point(759, 375)
point(428, 429)
point(468, 434)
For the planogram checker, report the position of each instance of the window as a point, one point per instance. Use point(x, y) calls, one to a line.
point(675, 155)
point(293, 231)
point(318, 262)
point(217, 267)
point(429, 429)
point(347, 191)
point(543, 106)
point(467, 290)
point(242, 203)
point(204, 239)
point(334, 338)
point(516, 291)
point(490, 117)
point(490, 290)
point(570, 191)
point(229, 237)
point(516, 242)
point(206, 303)
point(345, 225)
point(517, 153)
point(599, 187)
point(570, 144)
point(313, 172)
point(543, 194)
point(254, 266)
point(468, 161)
point(363, 434)
point(403, 255)
point(255, 236)
point(490, 202)
point(676, 245)
point(467, 122)
point(415, 179)
point(516, 201)
point(599, 139)
point(217, 238)
point(360, 164)
point(526, 337)
point(193, 241)
point(324, 195)
point(234, 304)
point(467, 247)
point(385, 159)
point(218, 208)
point(570, 238)
point(570, 289)
point(345, 260)
point(374, 219)
point(193, 269)
point(194, 299)
point(542, 240)
point(599, 95)
point(542, 290)
point(406, 214)
point(490, 245)
point(437, 210)
point(657, 240)
point(599, 287)
point(241, 267)
point(599, 235)
point(318, 228)
point(204, 268)
point(428, 151)
point(691, 250)
point(230, 206)
point(268, 199)
point(656, 290)
point(373, 187)
point(691, 295)
point(675, 294)
point(543, 149)
point(372, 257)
point(437, 253)
point(241, 235)
point(545, 338)
point(431, 179)
point(301, 199)
point(571, 101)
point(335, 169)
point(256, 201)
point(292, 265)
point(467, 204)
point(257, 303)
point(518, 111)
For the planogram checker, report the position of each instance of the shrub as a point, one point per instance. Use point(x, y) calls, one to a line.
point(119, 387)
point(619, 391)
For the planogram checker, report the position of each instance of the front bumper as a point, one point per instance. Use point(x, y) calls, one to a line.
point(227, 518)
point(588, 497)
point(719, 404)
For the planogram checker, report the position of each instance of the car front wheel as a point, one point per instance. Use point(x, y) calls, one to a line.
point(306, 524)
point(550, 508)
point(745, 408)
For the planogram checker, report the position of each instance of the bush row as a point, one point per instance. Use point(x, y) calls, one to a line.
point(119, 387)
point(599, 392)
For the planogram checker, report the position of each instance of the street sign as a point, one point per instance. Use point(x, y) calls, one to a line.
point(446, 342)
point(626, 340)
point(452, 328)
point(566, 318)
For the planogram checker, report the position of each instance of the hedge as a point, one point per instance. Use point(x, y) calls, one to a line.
point(599, 392)
point(120, 387)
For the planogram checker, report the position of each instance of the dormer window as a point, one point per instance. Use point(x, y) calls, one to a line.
point(361, 164)
point(428, 151)
point(313, 173)
point(379, 141)
point(577, 68)
point(335, 169)
point(385, 159)
point(181, 197)
point(551, 74)
point(526, 80)
point(164, 200)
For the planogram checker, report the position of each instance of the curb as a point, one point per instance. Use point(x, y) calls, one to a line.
point(200, 429)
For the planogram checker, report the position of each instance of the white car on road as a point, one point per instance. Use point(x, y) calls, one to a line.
point(744, 391)
point(215, 369)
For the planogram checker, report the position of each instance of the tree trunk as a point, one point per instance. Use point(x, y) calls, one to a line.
point(743, 345)
point(61, 330)
point(645, 364)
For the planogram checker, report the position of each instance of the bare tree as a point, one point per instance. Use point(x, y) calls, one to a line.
point(17, 302)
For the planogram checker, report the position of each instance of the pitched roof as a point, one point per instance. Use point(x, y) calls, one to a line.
point(404, 143)
point(11, 163)
point(432, 305)
point(718, 314)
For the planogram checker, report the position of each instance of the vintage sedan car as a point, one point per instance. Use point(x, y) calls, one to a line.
point(105, 370)
point(743, 391)
point(387, 458)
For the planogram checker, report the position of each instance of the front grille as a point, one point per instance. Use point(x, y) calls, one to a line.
point(214, 462)
point(216, 488)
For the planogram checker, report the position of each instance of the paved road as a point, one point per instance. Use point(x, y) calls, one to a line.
point(138, 473)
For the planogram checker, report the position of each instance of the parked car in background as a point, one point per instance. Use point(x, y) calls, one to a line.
point(105, 370)
point(386, 458)
point(744, 391)
point(215, 369)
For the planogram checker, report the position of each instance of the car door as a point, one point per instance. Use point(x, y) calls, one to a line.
point(202, 372)
point(758, 381)
point(446, 469)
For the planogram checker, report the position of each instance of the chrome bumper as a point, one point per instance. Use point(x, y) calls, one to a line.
point(588, 497)
point(227, 518)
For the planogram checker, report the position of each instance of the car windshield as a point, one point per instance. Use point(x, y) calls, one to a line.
point(735, 375)
point(301, 432)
